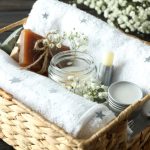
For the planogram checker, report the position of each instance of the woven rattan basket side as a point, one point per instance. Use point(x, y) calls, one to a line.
point(26, 130)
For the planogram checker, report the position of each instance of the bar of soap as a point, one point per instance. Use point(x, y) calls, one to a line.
point(27, 55)
point(63, 48)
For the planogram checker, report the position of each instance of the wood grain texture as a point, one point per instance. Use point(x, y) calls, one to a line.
point(11, 5)
point(7, 17)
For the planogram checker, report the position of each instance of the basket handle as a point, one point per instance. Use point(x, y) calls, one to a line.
point(13, 25)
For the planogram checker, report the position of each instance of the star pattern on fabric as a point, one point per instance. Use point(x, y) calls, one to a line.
point(83, 20)
point(53, 91)
point(147, 59)
point(100, 115)
point(15, 80)
point(45, 15)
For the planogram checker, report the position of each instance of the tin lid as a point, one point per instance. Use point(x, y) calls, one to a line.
point(124, 93)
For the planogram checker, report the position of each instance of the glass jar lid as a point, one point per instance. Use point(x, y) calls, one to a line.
point(73, 64)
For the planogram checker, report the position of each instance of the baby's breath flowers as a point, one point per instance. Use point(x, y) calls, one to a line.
point(75, 40)
point(129, 15)
point(89, 89)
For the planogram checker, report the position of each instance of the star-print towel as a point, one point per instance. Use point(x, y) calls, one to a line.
point(73, 113)
point(132, 57)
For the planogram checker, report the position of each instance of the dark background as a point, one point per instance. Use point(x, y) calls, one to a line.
point(12, 11)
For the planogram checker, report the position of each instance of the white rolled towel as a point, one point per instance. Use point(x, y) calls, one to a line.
point(132, 57)
point(73, 113)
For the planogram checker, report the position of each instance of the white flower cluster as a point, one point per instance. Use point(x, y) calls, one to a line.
point(77, 41)
point(89, 89)
point(74, 39)
point(129, 15)
point(53, 39)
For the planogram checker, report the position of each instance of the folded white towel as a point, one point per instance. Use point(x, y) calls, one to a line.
point(132, 61)
point(69, 111)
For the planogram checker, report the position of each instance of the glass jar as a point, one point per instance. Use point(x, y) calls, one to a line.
point(69, 65)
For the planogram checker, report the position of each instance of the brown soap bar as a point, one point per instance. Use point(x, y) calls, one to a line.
point(27, 55)
point(63, 48)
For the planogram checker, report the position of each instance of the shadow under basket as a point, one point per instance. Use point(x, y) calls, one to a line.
point(24, 129)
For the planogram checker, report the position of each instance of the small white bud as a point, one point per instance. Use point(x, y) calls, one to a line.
point(58, 45)
point(70, 78)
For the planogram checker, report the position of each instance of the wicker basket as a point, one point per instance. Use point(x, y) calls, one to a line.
point(26, 130)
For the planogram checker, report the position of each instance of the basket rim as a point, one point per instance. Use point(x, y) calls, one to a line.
point(13, 25)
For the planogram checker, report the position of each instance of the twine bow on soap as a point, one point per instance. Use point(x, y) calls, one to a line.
point(46, 50)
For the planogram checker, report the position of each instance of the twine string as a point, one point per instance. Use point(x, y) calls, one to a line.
point(46, 52)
